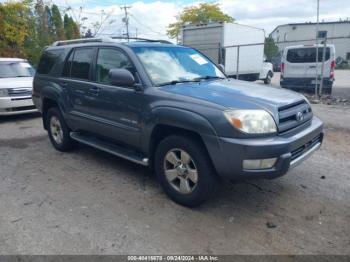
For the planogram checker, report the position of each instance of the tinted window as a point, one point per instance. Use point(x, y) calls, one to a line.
point(15, 69)
point(306, 55)
point(108, 59)
point(81, 63)
point(68, 65)
point(48, 60)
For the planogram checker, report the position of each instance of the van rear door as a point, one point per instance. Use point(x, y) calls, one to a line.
point(301, 62)
point(295, 63)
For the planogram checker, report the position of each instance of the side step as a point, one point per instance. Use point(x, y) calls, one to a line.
point(110, 148)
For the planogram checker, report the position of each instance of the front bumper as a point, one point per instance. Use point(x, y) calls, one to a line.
point(290, 151)
point(16, 105)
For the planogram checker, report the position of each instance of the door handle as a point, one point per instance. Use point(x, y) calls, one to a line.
point(94, 90)
point(312, 66)
point(64, 85)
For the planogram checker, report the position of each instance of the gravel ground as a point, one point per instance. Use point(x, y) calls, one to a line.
point(89, 202)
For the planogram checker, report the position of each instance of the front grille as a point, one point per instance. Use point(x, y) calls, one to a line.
point(304, 148)
point(20, 91)
point(293, 115)
point(21, 108)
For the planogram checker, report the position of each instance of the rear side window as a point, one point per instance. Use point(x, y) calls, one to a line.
point(79, 63)
point(306, 55)
point(48, 60)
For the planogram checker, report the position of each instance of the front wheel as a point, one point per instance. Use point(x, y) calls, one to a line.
point(268, 78)
point(184, 170)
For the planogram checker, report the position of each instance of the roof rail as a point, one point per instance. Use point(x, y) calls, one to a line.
point(83, 40)
point(142, 39)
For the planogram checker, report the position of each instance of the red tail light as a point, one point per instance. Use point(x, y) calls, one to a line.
point(332, 69)
point(282, 69)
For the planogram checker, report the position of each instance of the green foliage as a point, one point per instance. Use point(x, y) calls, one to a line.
point(57, 23)
point(27, 27)
point(13, 28)
point(270, 48)
point(201, 14)
point(71, 29)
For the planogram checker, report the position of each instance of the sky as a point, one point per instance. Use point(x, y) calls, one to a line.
point(150, 18)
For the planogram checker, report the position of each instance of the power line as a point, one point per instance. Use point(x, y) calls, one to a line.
point(145, 26)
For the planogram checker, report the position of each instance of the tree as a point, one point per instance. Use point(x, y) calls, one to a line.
point(13, 28)
point(27, 26)
point(88, 33)
point(57, 23)
point(270, 48)
point(71, 28)
point(201, 14)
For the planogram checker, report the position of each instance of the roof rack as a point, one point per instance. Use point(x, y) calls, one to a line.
point(142, 39)
point(106, 40)
point(83, 40)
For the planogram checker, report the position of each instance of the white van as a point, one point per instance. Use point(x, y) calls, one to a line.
point(298, 67)
point(16, 85)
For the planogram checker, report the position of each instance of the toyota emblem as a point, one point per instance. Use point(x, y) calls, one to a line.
point(299, 116)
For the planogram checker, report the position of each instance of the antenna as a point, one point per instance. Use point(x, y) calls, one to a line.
point(126, 19)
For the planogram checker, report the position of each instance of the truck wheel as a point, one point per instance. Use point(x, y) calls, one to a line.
point(268, 78)
point(184, 170)
point(58, 130)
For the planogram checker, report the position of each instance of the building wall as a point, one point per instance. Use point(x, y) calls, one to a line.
point(298, 33)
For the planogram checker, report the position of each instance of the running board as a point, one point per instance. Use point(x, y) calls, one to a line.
point(110, 148)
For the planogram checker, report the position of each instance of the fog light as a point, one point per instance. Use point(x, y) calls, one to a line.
point(254, 164)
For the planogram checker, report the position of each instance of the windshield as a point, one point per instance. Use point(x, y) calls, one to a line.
point(15, 69)
point(169, 65)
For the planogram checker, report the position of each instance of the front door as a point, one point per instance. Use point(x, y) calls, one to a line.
point(119, 108)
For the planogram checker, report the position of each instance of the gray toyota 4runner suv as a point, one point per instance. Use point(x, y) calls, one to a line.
point(170, 108)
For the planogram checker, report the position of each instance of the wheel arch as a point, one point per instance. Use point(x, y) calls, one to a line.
point(47, 103)
point(173, 121)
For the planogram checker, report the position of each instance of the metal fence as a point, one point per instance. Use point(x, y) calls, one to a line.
point(237, 60)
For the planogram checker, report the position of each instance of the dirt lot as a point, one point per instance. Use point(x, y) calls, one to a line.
point(89, 202)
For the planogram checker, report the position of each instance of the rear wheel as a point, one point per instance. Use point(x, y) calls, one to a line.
point(58, 130)
point(184, 170)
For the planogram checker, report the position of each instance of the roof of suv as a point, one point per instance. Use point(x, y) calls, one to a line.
point(135, 42)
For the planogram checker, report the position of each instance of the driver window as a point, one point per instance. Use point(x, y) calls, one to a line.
point(107, 59)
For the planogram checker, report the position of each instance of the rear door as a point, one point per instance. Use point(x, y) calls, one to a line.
point(301, 62)
point(81, 91)
point(297, 63)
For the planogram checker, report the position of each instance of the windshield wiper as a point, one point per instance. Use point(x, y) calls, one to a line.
point(174, 82)
point(209, 77)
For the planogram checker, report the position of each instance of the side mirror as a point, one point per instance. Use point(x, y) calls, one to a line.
point(121, 77)
point(222, 67)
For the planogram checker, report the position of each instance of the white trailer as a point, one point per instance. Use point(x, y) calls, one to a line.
point(239, 48)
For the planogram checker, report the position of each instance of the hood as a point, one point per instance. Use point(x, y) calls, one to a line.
point(15, 82)
point(236, 94)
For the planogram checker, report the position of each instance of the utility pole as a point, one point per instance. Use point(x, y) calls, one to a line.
point(317, 27)
point(323, 60)
point(126, 19)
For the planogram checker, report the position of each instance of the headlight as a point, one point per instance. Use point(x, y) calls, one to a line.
point(251, 121)
point(3, 92)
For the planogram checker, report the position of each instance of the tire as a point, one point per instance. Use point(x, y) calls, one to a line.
point(58, 130)
point(192, 164)
point(268, 78)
